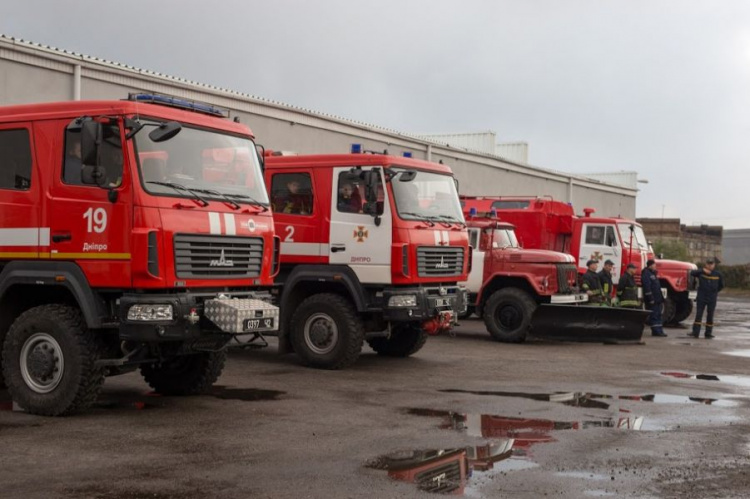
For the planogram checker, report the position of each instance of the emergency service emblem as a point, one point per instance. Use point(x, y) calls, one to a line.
point(360, 234)
point(597, 256)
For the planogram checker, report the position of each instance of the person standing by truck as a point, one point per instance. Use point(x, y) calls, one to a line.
point(627, 289)
point(652, 298)
point(592, 285)
point(710, 283)
point(605, 277)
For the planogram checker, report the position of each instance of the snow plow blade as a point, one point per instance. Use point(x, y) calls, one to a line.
point(586, 323)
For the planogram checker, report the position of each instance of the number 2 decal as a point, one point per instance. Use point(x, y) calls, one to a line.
point(96, 220)
point(289, 233)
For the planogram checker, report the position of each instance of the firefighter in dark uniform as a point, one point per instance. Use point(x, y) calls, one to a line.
point(605, 277)
point(653, 298)
point(627, 289)
point(710, 282)
point(592, 285)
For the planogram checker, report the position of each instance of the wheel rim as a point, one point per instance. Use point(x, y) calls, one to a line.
point(42, 363)
point(321, 333)
point(509, 317)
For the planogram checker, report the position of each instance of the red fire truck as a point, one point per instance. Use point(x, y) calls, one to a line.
point(543, 223)
point(373, 247)
point(507, 283)
point(133, 233)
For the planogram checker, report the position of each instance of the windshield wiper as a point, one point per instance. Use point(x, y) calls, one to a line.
point(453, 220)
point(419, 216)
point(179, 187)
point(249, 200)
point(233, 204)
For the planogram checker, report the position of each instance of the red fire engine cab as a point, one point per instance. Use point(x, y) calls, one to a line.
point(132, 233)
point(372, 247)
point(507, 282)
point(543, 223)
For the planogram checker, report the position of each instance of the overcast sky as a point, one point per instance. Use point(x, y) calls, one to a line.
point(660, 87)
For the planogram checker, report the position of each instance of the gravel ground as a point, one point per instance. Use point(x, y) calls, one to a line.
point(276, 429)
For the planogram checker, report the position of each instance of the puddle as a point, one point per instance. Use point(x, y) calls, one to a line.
point(243, 394)
point(599, 493)
point(596, 400)
point(442, 471)
point(738, 353)
point(731, 379)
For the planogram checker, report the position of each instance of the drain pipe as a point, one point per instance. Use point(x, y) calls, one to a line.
point(77, 82)
point(429, 152)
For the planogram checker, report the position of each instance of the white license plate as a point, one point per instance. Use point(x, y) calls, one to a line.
point(258, 324)
point(442, 302)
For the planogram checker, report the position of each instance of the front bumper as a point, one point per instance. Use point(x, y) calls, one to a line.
point(567, 299)
point(431, 302)
point(199, 317)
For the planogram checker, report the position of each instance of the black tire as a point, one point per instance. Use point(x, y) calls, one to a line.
point(52, 336)
point(406, 339)
point(326, 332)
point(668, 311)
point(185, 375)
point(507, 315)
point(684, 310)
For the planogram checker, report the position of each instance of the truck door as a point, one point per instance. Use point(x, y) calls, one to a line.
point(355, 238)
point(476, 276)
point(600, 242)
point(21, 232)
point(88, 223)
point(297, 217)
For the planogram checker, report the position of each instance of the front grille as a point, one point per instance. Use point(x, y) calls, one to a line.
point(437, 261)
point(445, 478)
point(217, 257)
point(566, 273)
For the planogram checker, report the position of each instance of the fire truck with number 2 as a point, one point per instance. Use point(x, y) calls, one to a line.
point(373, 247)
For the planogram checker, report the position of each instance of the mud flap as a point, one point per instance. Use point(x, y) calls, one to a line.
point(587, 323)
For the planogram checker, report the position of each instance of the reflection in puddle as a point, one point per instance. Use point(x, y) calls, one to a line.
point(583, 475)
point(441, 471)
point(243, 394)
point(596, 400)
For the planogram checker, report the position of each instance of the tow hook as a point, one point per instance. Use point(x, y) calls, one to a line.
point(193, 316)
point(438, 324)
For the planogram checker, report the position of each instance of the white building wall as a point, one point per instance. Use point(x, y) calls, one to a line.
point(31, 73)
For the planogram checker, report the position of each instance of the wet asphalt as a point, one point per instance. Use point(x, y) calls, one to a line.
point(665, 419)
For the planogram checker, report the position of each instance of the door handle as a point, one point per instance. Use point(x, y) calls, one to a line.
point(58, 238)
point(338, 247)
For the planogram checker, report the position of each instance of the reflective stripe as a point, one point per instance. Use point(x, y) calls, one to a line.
point(214, 222)
point(229, 226)
point(25, 236)
point(304, 249)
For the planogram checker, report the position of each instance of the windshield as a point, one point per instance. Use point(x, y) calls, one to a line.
point(427, 196)
point(501, 238)
point(214, 164)
point(639, 237)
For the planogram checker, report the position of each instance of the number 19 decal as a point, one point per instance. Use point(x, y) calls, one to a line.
point(96, 220)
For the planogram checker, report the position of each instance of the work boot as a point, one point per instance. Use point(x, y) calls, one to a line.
point(694, 335)
point(659, 333)
point(710, 336)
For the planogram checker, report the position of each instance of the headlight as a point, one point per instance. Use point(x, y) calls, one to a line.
point(402, 301)
point(150, 313)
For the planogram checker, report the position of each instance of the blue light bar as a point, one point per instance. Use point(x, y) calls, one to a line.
point(166, 100)
point(472, 212)
point(493, 212)
point(356, 148)
point(407, 155)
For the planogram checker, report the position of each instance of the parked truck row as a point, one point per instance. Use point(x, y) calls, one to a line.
point(152, 232)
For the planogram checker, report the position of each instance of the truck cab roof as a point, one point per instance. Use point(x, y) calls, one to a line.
point(73, 109)
point(332, 160)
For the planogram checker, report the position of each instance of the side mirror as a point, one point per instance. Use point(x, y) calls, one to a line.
point(91, 138)
point(371, 186)
point(93, 175)
point(261, 156)
point(165, 131)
